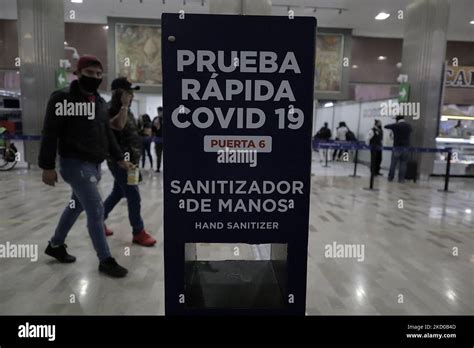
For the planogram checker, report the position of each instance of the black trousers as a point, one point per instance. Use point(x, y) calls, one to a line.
point(159, 152)
point(146, 151)
point(375, 161)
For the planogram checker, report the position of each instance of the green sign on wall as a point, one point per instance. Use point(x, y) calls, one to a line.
point(61, 78)
point(404, 92)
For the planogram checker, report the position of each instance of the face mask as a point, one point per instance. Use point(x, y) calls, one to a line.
point(89, 84)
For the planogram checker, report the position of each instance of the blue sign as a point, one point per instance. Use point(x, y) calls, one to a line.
point(238, 104)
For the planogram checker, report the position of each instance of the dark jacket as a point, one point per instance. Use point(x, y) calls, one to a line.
point(401, 133)
point(377, 138)
point(77, 137)
point(142, 125)
point(128, 138)
point(324, 134)
point(157, 132)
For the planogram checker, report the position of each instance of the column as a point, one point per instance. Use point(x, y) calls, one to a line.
point(424, 52)
point(41, 46)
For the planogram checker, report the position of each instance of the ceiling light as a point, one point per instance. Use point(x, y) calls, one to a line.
point(355, 66)
point(76, 1)
point(65, 42)
point(471, 22)
point(382, 16)
point(328, 105)
point(382, 58)
point(468, 211)
point(106, 27)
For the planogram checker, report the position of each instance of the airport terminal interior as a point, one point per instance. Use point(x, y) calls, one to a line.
point(378, 244)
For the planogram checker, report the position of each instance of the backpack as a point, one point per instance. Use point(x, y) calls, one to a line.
point(350, 136)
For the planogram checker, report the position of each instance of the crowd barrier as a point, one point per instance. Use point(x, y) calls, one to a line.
point(355, 145)
point(20, 137)
point(334, 145)
point(38, 137)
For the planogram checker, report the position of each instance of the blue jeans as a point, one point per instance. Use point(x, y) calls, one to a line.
point(398, 157)
point(83, 178)
point(130, 192)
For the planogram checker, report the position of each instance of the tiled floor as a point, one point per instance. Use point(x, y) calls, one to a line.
point(408, 265)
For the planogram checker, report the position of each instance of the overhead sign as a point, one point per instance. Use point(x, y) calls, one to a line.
point(238, 105)
point(460, 76)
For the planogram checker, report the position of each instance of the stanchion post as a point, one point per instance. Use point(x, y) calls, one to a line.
point(448, 169)
point(356, 159)
point(371, 186)
point(326, 159)
point(448, 172)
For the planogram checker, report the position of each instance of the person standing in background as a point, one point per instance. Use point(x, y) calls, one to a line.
point(375, 140)
point(144, 126)
point(340, 136)
point(324, 135)
point(83, 143)
point(157, 131)
point(401, 140)
point(126, 131)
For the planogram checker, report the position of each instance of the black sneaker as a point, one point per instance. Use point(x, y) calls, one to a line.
point(60, 253)
point(110, 267)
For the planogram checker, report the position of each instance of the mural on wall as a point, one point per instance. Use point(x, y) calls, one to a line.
point(138, 52)
point(329, 55)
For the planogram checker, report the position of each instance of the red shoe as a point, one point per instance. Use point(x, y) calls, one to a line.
point(144, 239)
point(108, 232)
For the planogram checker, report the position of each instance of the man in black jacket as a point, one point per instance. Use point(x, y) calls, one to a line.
point(77, 126)
point(401, 140)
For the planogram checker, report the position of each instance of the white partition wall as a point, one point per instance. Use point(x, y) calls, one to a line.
point(360, 118)
point(152, 103)
point(370, 111)
point(348, 113)
point(323, 115)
